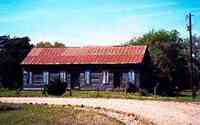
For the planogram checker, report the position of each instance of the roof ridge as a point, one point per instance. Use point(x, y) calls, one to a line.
point(98, 46)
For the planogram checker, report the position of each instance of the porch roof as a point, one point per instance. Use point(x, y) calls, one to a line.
point(86, 55)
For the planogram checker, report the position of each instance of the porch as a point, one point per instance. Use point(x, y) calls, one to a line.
point(83, 78)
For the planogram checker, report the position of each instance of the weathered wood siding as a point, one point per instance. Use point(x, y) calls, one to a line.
point(96, 79)
point(96, 75)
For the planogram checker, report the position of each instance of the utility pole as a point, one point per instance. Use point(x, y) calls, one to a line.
point(190, 56)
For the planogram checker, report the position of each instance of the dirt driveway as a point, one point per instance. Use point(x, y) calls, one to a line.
point(159, 112)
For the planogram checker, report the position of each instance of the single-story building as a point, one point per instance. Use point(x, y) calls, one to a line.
point(86, 68)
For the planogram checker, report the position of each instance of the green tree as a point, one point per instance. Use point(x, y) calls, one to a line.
point(59, 45)
point(166, 50)
point(47, 44)
point(44, 44)
point(12, 52)
point(196, 57)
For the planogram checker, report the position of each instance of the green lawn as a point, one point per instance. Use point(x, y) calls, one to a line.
point(12, 114)
point(101, 94)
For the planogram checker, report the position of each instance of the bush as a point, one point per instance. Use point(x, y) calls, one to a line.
point(143, 92)
point(56, 87)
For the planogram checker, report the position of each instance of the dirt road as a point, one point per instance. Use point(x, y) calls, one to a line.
point(159, 112)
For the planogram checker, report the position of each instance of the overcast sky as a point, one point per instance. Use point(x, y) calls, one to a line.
point(94, 22)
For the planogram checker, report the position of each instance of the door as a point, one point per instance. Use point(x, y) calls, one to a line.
point(117, 79)
point(75, 84)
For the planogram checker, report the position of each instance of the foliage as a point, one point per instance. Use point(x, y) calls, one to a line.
point(59, 45)
point(56, 87)
point(47, 44)
point(196, 47)
point(12, 52)
point(169, 60)
point(196, 57)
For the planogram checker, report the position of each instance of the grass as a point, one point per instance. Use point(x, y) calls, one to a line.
point(14, 93)
point(185, 96)
point(26, 114)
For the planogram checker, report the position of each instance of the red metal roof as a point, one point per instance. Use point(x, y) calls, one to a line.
point(86, 55)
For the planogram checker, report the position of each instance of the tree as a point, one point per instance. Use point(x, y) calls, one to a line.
point(50, 45)
point(170, 64)
point(59, 45)
point(196, 58)
point(44, 44)
point(12, 52)
point(196, 47)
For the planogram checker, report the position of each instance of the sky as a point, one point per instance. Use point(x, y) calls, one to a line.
point(94, 22)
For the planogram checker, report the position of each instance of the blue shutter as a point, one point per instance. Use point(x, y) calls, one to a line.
point(46, 77)
point(87, 77)
point(131, 76)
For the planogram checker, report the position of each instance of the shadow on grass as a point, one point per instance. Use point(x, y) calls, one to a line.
point(182, 97)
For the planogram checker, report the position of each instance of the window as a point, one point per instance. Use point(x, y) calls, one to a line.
point(37, 77)
point(54, 75)
point(105, 77)
point(87, 77)
point(131, 77)
point(63, 76)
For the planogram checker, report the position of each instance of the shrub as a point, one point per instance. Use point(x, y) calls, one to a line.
point(56, 87)
point(143, 92)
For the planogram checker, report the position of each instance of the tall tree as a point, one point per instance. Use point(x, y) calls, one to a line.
point(196, 58)
point(12, 52)
point(166, 50)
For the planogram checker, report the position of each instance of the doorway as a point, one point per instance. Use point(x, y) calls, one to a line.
point(75, 84)
point(117, 79)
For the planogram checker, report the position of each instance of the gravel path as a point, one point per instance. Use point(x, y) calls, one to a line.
point(159, 112)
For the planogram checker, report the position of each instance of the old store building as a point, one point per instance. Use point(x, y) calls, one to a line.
point(86, 68)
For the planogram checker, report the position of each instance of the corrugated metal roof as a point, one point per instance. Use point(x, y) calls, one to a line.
point(86, 55)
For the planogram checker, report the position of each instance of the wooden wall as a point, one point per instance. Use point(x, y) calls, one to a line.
point(96, 74)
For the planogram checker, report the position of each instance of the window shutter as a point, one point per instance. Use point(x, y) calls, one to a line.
point(25, 77)
point(46, 77)
point(87, 77)
point(131, 76)
point(105, 77)
point(64, 77)
point(30, 77)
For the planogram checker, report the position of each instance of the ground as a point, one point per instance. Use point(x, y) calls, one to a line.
point(26, 114)
point(158, 112)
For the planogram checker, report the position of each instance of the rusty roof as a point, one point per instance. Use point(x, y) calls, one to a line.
point(86, 55)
